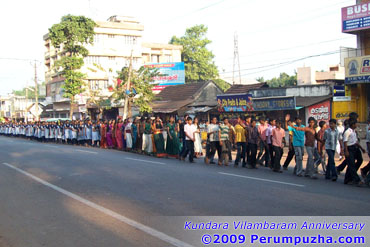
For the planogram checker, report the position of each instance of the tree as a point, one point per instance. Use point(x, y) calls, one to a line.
point(31, 91)
point(284, 80)
point(197, 58)
point(260, 79)
point(141, 94)
point(70, 35)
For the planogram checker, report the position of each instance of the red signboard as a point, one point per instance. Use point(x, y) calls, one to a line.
point(321, 111)
point(356, 17)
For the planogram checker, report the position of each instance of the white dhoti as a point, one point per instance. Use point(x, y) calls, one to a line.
point(147, 143)
point(128, 140)
point(198, 144)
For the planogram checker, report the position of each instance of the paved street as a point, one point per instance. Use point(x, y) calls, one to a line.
point(59, 195)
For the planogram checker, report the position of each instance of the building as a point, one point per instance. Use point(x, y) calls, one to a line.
point(308, 76)
point(18, 108)
point(357, 63)
point(115, 40)
point(196, 99)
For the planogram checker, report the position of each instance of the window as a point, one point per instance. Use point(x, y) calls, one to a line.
point(130, 40)
point(112, 58)
point(98, 84)
point(96, 38)
point(92, 60)
point(168, 58)
point(111, 36)
point(155, 58)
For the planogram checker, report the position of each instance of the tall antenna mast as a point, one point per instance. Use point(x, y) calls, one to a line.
point(236, 58)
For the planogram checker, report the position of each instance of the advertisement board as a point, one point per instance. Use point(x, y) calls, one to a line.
point(356, 17)
point(357, 70)
point(169, 74)
point(342, 93)
point(320, 111)
point(274, 104)
point(235, 103)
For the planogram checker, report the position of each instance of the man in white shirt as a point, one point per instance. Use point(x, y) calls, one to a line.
point(352, 151)
point(189, 130)
point(214, 141)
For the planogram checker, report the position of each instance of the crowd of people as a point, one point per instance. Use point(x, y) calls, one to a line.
point(257, 142)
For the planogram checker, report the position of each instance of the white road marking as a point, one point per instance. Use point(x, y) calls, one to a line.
point(85, 151)
point(261, 179)
point(153, 162)
point(155, 233)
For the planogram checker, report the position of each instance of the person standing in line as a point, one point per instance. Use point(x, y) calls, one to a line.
point(353, 116)
point(103, 134)
point(278, 142)
point(352, 151)
point(95, 137)
point(330, 139)
point(189, 130)
point(339, 148)
point(223, 136)
point(365, 170)
point(172, 147)
point(198, 149)
point(182, 135)
point(268, 141)
point(263, 155)
point(253, 141)
point(241, 142)
point(291, 152)
point(298, 144)
point(320, 154)
point(147, 137)
point(247, 151)
point(127, 135)
point(310, 135)
point(213, 135)
point(157, 127)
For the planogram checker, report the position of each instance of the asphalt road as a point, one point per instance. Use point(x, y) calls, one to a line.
point(59, 195)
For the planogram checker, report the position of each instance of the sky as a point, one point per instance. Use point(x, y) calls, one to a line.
point(273, 36)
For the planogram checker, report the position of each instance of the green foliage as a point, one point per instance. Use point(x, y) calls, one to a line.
point(31, 91)
point(140, 81)
point(260, 79)
point(222, 84)
point(71, 34)
point(284, 80)
point(199, 65)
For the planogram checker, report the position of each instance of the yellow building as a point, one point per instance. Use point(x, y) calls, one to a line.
point(357, 69)
point(114, 40)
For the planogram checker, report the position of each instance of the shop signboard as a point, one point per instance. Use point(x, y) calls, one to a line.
point(356, 17)
point(357, 70)
point(235, 103)
point(341, 93)
point(274, 104)
point(320, 111)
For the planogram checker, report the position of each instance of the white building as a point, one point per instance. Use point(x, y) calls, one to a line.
point(115, 41)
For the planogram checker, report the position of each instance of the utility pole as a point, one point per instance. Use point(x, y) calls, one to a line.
point(236, 58)
point(36, 94)
point(25, 110)
point(128, 86)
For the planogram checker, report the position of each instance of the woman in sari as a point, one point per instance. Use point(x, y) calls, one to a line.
point(198, 149)
point(158, 138)
point(134, 134)
point(114, 141)
point(119, 134)
point(103, 134)
point(109, 134)
point(173, 144)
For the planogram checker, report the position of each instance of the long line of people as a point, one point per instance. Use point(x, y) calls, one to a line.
point(257, 143)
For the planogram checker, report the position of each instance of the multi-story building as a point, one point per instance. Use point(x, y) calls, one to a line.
point(356, 21)
point(17, 108)
point(115, 40)
point(309, 76)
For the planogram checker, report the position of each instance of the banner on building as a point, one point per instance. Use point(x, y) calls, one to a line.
point(235, 103)
point(320, 111)
point(356, 17)
point(170, 74)
point(274, 104)
point(357, 70)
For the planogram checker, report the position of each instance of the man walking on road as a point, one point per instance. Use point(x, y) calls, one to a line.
point(241, 142)
point(278, 142)
point(298, 144)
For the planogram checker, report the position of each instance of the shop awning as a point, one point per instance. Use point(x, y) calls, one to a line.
point(308, 101)
point(195, 110)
